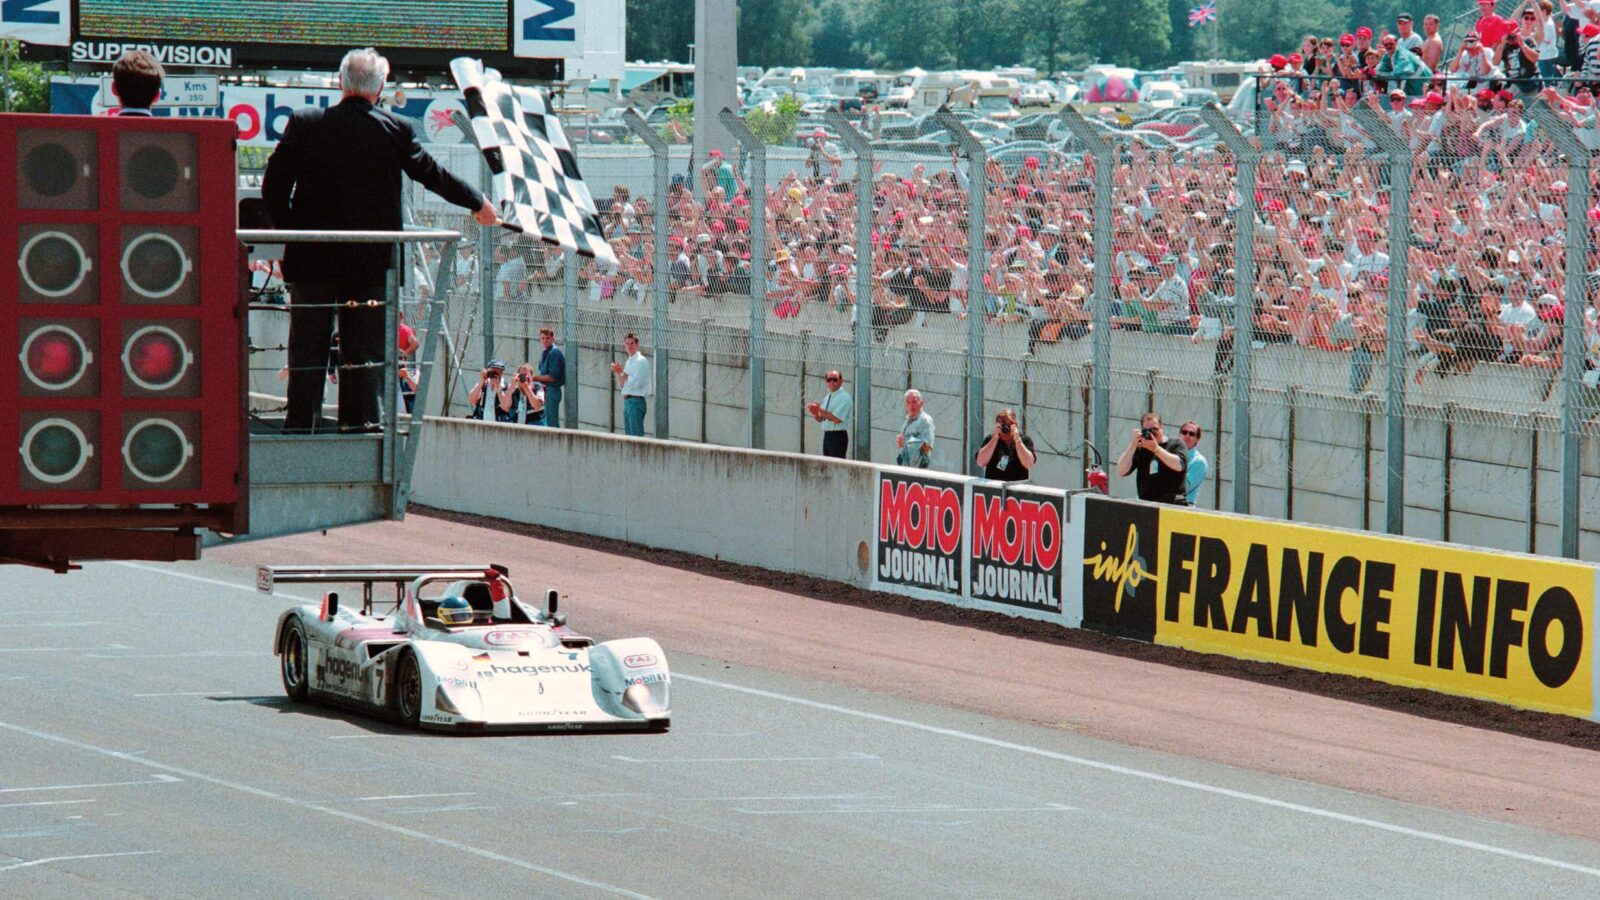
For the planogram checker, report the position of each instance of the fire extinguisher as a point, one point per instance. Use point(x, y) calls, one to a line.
point(1095, 473)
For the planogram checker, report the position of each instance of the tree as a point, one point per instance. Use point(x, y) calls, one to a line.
point(1050, 33)
point(776, 32)
point(1125, 32)
point(29, 84)
point(908, 33)
point(835, 43)
point(776, 126)
point(659, 30)
point(1265, 27)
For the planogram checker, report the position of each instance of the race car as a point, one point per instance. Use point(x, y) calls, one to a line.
point(460, 652)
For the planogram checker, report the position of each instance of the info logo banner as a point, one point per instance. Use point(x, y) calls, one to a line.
point(1121, 565)
point(919, 535)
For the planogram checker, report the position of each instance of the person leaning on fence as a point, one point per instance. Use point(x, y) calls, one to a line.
point(635, 380)
point(553, 375)
point(833, 412)
point(1007, 455)
point(339, 168)
point(1159, 464)
point(915, 439)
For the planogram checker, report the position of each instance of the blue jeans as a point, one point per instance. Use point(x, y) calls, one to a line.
point(552, 406)
point(633, 416)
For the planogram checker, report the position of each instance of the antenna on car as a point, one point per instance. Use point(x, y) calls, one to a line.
point(550, 598)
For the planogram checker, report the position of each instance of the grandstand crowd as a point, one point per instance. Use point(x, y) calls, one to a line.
point(1486, 258)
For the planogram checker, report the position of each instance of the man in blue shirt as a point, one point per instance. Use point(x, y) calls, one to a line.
point(1189, 433)
point(833, 412)
point(553, 375)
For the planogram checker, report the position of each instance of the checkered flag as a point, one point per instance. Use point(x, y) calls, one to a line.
point(536, 182)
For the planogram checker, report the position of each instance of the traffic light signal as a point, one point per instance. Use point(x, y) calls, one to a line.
point(123, 311)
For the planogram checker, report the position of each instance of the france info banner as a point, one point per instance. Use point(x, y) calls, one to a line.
point(1506, 627)
point(1016, 539)
point(920, 537)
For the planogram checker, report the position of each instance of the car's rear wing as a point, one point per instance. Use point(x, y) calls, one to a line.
point(268, 577)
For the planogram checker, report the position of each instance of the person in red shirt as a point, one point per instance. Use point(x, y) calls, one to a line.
point(1492, 29)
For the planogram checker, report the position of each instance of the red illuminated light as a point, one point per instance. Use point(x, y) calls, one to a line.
point(54, 357)
point(156, 358)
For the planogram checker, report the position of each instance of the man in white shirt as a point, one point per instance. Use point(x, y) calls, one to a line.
point(636, 380)
point(1517, 322)
point(834, 413)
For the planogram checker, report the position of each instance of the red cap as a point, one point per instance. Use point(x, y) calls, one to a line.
point(1347, 40)
point(1485, 94)
point(1031, 162)
point(1277, 61)
point(1024, 231)
point(715, 153)
point(1589, 30)
point(1296, 59)
point(1433, 98)
point(1363, 32)
point(1505, 96)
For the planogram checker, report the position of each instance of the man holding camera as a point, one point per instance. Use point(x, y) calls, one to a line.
point(491, 396)
point(1158, 464)
point(527, 398)
point(1008, 453)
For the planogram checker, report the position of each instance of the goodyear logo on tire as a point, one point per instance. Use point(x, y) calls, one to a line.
point(1514, 629)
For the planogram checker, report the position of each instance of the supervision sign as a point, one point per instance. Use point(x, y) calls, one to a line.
point(1514, 629)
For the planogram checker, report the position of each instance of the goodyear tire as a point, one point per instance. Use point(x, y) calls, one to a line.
point(408, 690)
point(293, 665)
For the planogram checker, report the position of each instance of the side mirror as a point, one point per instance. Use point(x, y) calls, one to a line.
point(330, 606)
point(550, 598)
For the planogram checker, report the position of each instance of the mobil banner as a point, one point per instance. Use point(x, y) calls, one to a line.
point(919, 536)
point(1499, 626)
point(1014, 546)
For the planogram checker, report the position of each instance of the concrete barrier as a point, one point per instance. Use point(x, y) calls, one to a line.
point(779, 511)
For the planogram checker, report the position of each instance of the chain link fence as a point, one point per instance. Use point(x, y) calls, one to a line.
point(1357, 277)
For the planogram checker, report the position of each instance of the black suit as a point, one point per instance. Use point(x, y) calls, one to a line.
point(339, 169)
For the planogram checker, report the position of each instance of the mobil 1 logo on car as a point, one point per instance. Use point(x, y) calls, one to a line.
point(919, 535)
point(1016, 543)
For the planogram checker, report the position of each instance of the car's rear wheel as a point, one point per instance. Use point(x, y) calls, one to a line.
point(292, 658)
point(408, 690)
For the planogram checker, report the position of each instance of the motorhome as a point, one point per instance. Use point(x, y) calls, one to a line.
point(1218, 75)
point(935, 89)
point(855, 82)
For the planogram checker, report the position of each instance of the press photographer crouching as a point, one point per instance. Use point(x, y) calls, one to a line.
point(1007, 455)
point(1158, 463)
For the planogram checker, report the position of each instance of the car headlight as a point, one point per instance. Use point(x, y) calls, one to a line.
point(649, 700)
point(442, 700)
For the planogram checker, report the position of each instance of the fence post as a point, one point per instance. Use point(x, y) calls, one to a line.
point(861, 426)
point(569, 340)
point(977, 271)
point(1398, 151)
point(1574, 299)
point(659, 288)
point(486, 238)
point(1100, 306)
point(1246, 155)
point(757, 149)
point(446, 268)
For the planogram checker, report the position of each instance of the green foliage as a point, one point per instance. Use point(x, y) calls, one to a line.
point(980, 34)
point(29, 84)
point(680, 115)
point(776, 126)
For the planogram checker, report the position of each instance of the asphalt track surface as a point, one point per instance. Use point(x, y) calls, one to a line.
point(146, 749)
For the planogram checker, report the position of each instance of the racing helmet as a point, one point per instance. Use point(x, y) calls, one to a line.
point(455, 611)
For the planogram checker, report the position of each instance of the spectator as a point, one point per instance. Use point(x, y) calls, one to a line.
point(1196, 468)
point(915, 440)
point(1402, 69)
point(1432, 51)
point(1475, 63)
point(636, 380)
point(1007, 454)
point(1545, 38)
point(1405, 37)
point(833, 412)
point(552, 375)
point(511, 272)
point(527, 398)
point(1158, 464)
point(136, 83)
point(491, 396)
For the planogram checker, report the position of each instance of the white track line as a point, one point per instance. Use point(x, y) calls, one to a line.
point(51, 859)
point(319, 808)
point(1147, 776)
point(154, 779)
point(186, 694)
point(1075, 760)
point(420, 796)
point(43, 803)
point(848, 757)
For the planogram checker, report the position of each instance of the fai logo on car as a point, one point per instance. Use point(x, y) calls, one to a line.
point(639, 660)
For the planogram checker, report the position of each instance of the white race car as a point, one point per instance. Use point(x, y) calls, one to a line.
point(498, 665)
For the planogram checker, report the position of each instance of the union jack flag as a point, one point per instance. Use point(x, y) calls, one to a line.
point(1204, 14)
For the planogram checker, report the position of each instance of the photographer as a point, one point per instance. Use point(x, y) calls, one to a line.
point(491, 396)
point(1159, 465)
point(527, 398)
point(1007, 455)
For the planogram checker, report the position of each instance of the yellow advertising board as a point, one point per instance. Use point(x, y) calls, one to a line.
point(1510, 628)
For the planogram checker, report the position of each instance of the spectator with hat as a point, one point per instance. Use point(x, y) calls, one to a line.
point(820, 152)
point(1475, 64)
point(490, 398)
point(1405, 37)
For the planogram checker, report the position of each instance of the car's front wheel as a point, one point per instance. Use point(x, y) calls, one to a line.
point(292, 658)
point(408, 690)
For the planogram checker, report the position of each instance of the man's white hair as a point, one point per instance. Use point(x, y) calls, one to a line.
point(363, 71)
point(914, 394)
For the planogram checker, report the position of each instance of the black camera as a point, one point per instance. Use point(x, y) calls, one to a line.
point(1005, 428)
point(1148, 434)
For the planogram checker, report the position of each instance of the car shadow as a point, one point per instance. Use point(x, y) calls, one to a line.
point(359, 718)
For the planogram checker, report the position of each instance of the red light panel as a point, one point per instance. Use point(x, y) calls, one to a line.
point(119, 299)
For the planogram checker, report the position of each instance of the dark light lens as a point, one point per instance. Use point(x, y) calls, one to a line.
point(156, 450)
point(51, 170)
point(55, 452)
point(152, 172)
point(54, 263)
point(154, 265)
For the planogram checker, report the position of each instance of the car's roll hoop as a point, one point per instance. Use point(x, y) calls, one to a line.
point(399, 575)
